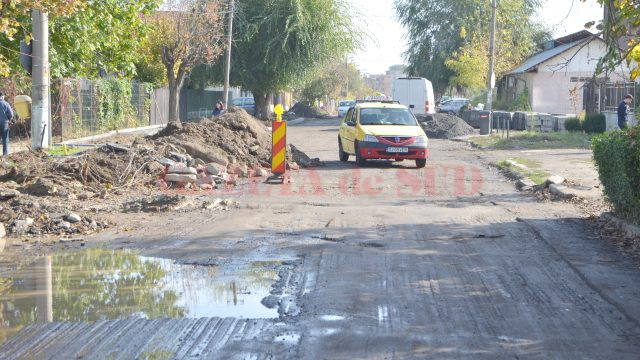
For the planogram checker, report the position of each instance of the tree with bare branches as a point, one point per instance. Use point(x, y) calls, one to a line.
point(185, 34)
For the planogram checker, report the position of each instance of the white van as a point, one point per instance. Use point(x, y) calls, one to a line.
point(416, 94)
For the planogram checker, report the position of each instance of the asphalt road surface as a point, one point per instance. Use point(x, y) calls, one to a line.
point(383, 262)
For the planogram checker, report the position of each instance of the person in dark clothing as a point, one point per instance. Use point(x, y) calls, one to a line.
point(218, 109)
point(6, 116)
point(623, 111)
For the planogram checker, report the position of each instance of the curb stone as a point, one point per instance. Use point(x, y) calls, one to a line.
point(630, 229)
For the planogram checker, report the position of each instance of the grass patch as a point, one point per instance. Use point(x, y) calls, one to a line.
point(530, 163)
point(59, 150)
point(535, 140)
point(536, 175)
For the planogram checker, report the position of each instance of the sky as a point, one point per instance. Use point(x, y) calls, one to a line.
point(387, 43)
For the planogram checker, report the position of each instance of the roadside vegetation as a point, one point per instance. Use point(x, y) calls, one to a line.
point(534, 140)
point(617, 156)
point(531, 169)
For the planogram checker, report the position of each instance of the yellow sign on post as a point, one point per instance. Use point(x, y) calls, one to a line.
point(279, 110)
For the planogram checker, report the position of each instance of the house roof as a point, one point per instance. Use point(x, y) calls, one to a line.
point(560, 45)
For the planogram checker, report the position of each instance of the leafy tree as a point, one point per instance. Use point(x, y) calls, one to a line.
point(449, 39)
point(85, 36)
point(621, 30)
point(332, 80)
point(279, 43)
point(15, 18)
point(104, 36)
point(188, 34)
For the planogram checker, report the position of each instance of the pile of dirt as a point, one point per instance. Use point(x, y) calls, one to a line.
point(235, 136)
point(301, 109)
point(444, 126)
point(38, 192)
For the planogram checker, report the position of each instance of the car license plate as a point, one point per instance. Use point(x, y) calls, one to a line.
point(397, 150)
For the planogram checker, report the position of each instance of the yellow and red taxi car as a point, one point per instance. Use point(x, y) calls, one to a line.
point(382, 130)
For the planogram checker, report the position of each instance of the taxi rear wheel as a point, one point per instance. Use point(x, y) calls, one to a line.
point(343, 155)
point(420, 163)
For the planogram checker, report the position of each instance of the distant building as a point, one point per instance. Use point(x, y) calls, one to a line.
point(555, 76)
point(380, 83)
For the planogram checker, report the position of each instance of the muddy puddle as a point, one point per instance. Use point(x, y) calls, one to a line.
point(100, 284)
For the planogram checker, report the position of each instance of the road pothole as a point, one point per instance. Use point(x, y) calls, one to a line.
point(101, 284)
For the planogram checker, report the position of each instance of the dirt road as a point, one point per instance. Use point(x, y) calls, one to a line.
point(383, 262)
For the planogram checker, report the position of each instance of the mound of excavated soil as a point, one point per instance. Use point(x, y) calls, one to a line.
point(38, 191)
point(235, 136)
point(444, 126)
point(304, 110)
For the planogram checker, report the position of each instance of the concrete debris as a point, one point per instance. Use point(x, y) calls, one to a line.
point(561, 191)
point(65, 225)
point(302, 159)
point(73, 218)
point(6, 194)
point(554, 180)
point(22, 226)
point(181, 178)
point(525, 184)
point(166, 162)
point(216, 169)
point(182, 169)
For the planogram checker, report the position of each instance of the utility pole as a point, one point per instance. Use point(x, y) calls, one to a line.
point(227, 65)
point(492, 54)
point(41, 105)
point(346, 67)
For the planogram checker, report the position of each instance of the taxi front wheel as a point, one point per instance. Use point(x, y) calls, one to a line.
point(343, 155)
point(420, 163)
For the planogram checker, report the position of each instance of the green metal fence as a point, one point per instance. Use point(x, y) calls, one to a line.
point(87, 107)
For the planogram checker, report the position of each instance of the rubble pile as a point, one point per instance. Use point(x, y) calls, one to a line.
point(444, 126)
point(39, 193)
point(301, 109)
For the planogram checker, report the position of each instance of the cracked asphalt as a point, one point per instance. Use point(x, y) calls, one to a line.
point(382, 262)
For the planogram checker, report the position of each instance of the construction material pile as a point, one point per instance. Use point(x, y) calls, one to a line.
point(444, 126)
point(301, 109)
point(39, 194)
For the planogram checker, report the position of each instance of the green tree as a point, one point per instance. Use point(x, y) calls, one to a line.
point(621, 30)
point(15, 19)
point(85, 36)
point(448, 39)
point(190, 33)
point(279, 43)
point(332, 81)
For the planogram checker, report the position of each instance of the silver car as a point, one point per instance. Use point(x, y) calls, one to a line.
point(344, 106)
point(453, 106)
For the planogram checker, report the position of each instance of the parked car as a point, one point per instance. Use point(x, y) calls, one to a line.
point(453, 106)
point(344, 106)
point(416, 94)
point(382, 130)
point(247, 103)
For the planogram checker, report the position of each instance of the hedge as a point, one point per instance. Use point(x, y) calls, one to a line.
point(595, 124)
point(573, 124)
point(617, 156)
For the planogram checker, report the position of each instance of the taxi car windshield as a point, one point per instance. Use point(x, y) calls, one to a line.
point(387, 116)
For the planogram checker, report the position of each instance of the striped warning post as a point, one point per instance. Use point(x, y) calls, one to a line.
point(279, 148)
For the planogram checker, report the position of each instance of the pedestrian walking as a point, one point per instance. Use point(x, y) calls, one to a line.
point(624, 108)
point(6, 116)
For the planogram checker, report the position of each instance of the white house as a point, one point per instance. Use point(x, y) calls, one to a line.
point(555, 76)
